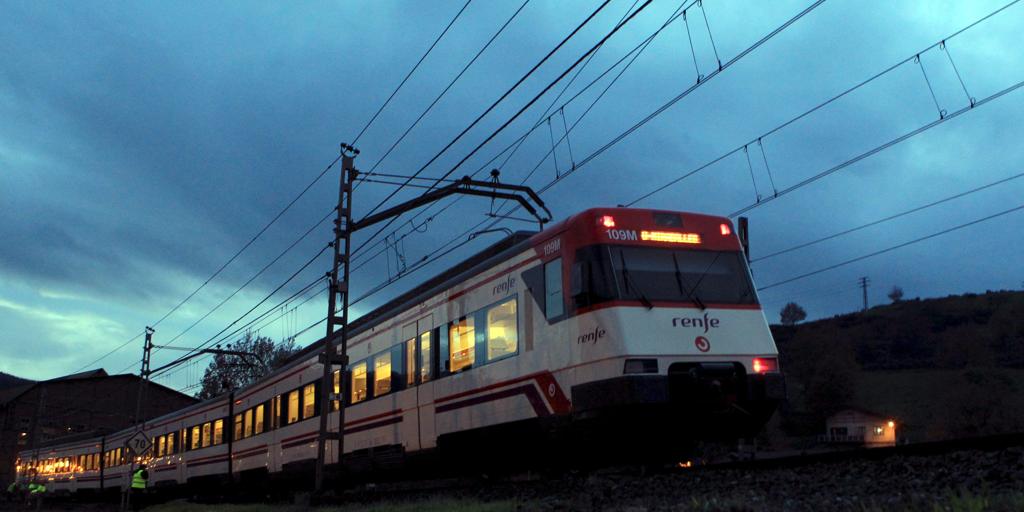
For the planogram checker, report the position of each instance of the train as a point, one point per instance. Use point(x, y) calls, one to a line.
point(615, 332)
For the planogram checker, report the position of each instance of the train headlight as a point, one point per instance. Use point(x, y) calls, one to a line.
point(765, 365)
point(640, 366)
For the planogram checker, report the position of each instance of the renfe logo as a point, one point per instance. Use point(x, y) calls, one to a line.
point(505, 286)
point(705, 322)
point(591, 337)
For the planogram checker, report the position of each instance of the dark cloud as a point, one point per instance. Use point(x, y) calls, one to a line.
point(143, 144)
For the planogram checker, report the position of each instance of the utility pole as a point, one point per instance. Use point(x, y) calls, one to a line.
point(143, 375)
point(139, 424)
point(344, 226)
point(864, 282)
point(338, 287)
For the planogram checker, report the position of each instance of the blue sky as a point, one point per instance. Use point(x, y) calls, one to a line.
point(142, 144)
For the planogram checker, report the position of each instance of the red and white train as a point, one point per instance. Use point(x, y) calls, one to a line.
point(615, 331)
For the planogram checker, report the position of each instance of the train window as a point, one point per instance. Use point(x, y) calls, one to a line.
point(410, 363)
point(247, 424)
point(258, 421)
point(309, 401)
point(502, 338)
point(335, 404)
point(425, 357)
point(218, 432)
point(238, 427)
point(194, 438)
point(293, 407)
point(461, 342)
point(206, 434)
point(170, 443)
point(554, 304)
point(161, 445)
point(358, 382)
point(118, 456)
point(275, 412)
point(382, 374)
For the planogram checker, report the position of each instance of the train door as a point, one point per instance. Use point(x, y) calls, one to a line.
point(426, 361)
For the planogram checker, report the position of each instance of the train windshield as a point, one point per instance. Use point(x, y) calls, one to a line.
point(648, 274)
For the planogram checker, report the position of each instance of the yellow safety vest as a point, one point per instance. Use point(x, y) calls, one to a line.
point(36, 489)
point(138, 482)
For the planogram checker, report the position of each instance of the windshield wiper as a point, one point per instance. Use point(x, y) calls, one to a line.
point(692, 294)
point(629, 282)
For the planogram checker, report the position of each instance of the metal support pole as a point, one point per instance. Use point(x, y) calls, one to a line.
point(864, 282)
point(335, 318)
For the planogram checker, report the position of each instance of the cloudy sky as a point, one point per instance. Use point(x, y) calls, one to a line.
point(142, 144)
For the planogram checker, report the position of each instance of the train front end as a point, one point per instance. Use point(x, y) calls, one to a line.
point(671, 344)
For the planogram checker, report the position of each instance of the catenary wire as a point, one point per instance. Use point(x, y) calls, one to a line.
point(818, 106)
point(880, 148)
point(478, 119)
point(409, 74)
point(447, 88)
point(891, 248)
point(515, 144)
point(888, 218)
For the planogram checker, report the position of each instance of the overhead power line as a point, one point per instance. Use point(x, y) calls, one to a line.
point(741, 147)
point(880, 148)
point(886, 219)
point(515, 144)
point(498, 218)
point(478, 119)
point(250, 280)
point(447, 88)
point(891, 248)
point(409, 74)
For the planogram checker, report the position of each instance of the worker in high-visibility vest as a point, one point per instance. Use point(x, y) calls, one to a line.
point(139, 480)
point(36, 491)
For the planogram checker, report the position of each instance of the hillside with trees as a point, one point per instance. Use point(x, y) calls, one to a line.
point(948, 367)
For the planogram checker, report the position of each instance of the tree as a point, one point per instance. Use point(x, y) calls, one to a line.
point(792, 313)
point(896, 294)
point(228, 372)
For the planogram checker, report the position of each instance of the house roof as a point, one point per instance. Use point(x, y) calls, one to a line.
point(10, 394)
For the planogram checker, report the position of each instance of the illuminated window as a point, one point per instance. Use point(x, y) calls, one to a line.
point(382, 374)
point(206, 435)
point(554, 305)
point(194, 439)
point(425, 357)
point(275, 412)
point(170, 443)
point(118, 457)
point(161, 445)
point(501, 330)
point(309, 401)
point(218, 432)
point(410, 363)
point(247, 424)
point(879, 431)
point(293, 407)
point(238, 426)
point(258, 422)
point(461, 342)
point(335, 404)
point(359, 382)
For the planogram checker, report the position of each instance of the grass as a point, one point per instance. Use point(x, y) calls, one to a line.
point(943, 501)
point(429, 505)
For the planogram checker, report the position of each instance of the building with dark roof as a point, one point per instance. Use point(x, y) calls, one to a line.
point(79, 405)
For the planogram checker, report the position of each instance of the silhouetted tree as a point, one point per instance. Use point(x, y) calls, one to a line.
point(896, 294)
point(792, 313)
point(227, 372)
